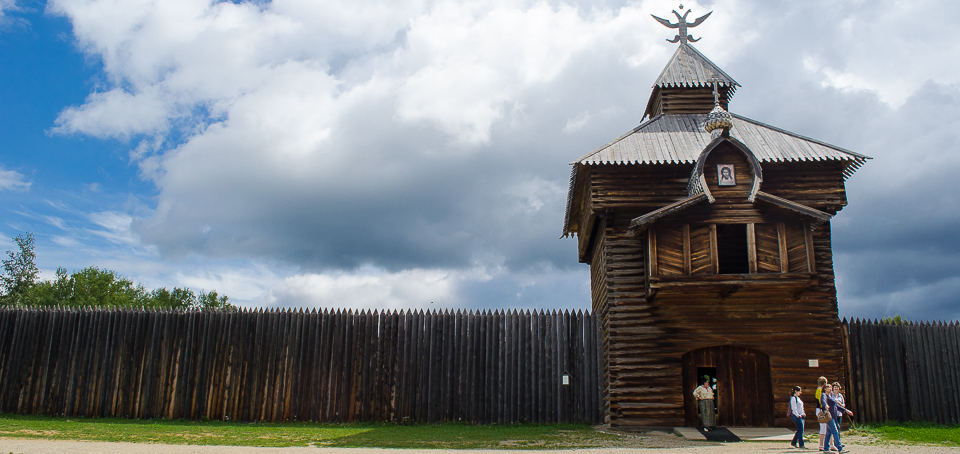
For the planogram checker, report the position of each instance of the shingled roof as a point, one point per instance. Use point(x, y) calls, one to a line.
point(679, 139)
point(689, 68)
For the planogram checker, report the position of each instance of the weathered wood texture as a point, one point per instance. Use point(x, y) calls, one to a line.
point(640, 188)
point(748, 371)
point(664, 298)
point(329, 366)
point(691, 250)
point(790, 320)
point(685, 100)
point(598, 288)
point(903, 372)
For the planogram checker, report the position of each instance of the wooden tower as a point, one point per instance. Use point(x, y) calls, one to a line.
point(708, 240)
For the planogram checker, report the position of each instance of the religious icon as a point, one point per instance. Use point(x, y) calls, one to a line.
point(726, 175)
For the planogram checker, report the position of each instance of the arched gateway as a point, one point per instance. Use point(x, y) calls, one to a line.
point(709, 244)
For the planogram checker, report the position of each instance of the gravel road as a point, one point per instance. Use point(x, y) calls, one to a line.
point(26, 446)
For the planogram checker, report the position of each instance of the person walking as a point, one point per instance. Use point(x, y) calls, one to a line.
point(830, 405)
point(797, 415)
point(704, 395)
point(819, 394)
point(838, 395)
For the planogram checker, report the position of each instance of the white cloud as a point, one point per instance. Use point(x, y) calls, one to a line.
point(116, 113)
point(530, 195)
point(400, 147)
point(369, 287)
point(865, 47)
point(242, 281)
point(7, 5)
point(11, 180)
point(6, 19)
point(65, 241)
point(56, 222)
point(577, 123)
point(836, 79)
point(469, 62)
point(117, 227)
point(586, 118)
point(278, 132)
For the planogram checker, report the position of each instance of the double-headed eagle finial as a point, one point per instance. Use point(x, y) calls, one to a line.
point(682, 24)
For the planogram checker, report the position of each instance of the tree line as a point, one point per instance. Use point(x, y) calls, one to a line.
point(90, 287)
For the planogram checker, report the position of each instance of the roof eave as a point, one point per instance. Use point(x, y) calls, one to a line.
point(794, 206)
point(640, 223)
point(567, 216)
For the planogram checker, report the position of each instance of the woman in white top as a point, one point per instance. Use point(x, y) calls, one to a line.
point(797, 415)
point(704, 395)
point(840, 401)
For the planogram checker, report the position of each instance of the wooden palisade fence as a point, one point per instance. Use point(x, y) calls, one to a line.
point(294, 365)
point(903, 372)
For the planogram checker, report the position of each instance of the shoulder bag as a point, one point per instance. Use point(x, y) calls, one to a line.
point(823, 416)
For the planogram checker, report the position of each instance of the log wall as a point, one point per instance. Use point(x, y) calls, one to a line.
point(649, 336)
point(685, 100)
point(330, 366)
point(641, 188)
point(785, 308)
point(903, 372)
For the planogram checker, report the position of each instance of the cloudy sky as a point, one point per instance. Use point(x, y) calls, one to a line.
point(384, 154)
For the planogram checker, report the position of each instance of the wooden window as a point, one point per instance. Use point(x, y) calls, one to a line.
point(685, 250)
point(670, 244)
point(701, 255)
point(768, 248)
point(798, 243)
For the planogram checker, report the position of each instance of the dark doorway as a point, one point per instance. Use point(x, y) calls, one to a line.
point(732, 252)
point(743, 393)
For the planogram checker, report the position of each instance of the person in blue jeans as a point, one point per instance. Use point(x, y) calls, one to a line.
point(797, 415)
point(830, 403)
point(838, 395)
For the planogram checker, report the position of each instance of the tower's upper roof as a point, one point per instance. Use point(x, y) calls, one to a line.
point(688, 68)
point(674, 132)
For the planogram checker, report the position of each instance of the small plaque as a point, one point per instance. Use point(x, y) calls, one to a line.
point(726, 175)
point(814, 362)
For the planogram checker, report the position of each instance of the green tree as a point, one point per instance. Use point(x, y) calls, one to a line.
point(53, 293)
point(179, 298)
point(90, 287)
point(19, 272)
point(895, 320)
point(213, 302)
point(94, 287)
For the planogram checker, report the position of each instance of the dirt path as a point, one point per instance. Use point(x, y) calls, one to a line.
point(26, 446)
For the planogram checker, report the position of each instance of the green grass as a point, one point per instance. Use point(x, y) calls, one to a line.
point(912, 433)
point(440, 436)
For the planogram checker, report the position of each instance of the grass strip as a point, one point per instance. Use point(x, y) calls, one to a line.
point(359, 435)
point(913, 433)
